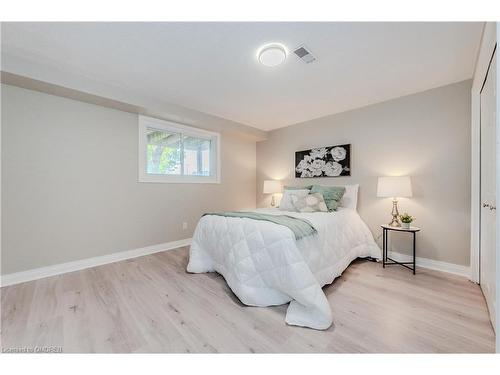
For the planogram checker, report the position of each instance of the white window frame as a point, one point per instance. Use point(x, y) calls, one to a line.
point(150, 122)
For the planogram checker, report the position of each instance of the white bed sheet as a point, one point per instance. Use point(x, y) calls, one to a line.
point(264, 265)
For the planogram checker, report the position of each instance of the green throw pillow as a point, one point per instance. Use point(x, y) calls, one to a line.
point(308, 187)
point(331, 194)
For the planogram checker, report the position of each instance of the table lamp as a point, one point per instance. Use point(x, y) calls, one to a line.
point(394, 187)
point(272, 187)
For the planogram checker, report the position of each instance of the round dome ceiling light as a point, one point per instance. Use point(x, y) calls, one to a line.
point(272, 54)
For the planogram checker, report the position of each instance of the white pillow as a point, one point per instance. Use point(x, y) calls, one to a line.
point(350, 197)
point(310, 203)
point(286, 203)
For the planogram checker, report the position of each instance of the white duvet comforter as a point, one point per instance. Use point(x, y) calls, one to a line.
point(264, 265)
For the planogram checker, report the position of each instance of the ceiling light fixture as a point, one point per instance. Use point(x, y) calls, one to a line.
point(272, 54)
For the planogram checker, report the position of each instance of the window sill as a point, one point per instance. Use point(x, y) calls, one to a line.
point(178, 179)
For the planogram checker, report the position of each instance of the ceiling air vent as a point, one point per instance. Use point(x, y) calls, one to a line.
point(304, 54)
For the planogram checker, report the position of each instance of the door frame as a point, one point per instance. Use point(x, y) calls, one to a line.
point(485, 53)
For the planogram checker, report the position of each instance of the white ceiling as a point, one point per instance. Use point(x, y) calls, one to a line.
point(212, 67)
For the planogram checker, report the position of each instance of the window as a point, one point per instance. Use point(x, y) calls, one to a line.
point(170, 152)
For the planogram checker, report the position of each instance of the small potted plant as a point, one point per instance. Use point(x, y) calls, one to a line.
point(406, 220)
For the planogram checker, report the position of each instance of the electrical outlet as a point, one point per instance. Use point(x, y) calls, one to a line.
point(184, 225)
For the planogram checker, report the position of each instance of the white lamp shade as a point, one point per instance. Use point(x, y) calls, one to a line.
point(395, 187)
point(271, 187)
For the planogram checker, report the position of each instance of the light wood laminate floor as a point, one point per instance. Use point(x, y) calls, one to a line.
point(150, 304)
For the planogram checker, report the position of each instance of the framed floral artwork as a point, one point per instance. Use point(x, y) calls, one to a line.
point(333, 161)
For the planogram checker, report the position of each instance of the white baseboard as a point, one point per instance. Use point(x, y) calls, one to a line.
point(57, 269)
point(433, 264)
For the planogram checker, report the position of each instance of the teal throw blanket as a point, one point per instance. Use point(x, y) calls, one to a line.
point(299, 227)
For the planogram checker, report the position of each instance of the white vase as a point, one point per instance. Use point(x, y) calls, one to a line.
point(405, 225)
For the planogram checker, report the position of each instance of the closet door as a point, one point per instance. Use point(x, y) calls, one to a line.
point(488, 189)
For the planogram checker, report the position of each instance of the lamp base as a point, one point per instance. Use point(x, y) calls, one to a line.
point(395, 214)
point(273, 201)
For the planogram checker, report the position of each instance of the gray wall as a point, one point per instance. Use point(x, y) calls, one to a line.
point(426, 136)
point(70, 190)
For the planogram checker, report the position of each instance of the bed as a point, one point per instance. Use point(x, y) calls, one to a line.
point(265, 265)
